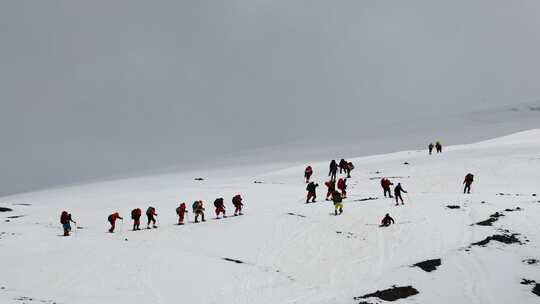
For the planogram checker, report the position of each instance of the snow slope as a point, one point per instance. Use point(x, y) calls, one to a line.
point(292, 252)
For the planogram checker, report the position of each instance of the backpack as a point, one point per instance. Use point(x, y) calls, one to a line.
point(330, 185)
point(218, 203)
point(341, 183)
point(194, 206)
point(133, 214)
point(199, 207)
point(63, 217)
point(110, 218)
point(237, 200)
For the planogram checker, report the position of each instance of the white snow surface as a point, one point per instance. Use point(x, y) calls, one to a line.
point(318, 258)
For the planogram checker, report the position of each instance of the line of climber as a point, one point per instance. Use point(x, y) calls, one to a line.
point(181, 211)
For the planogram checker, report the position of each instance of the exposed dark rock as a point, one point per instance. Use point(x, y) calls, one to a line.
point(492, 219)
point(366, 199)
point(530, 261)
point(258, 182)
point(391, 294)
point(24, 299)
point(22, 204)
point(512, 194)
point(428, 265)
point(14, 216)
point(502, 238)
point(233, 260)
point(536, 289)
point(5, 209)
point(295, 214)
point(405, 163)
point(453, 207)
point(487, 222)
point(515, 209)
point(199, 179)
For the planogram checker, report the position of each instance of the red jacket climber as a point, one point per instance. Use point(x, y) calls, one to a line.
point(112, 219)
point(387, 220)
point(342, 186)
point(312, 192)
point(151, 215)
point(307, 173)
point(65, 220)
point(469, 178)
point(181, 211)
point(220, 207)
point(136, 217)
point(385, 184)
point(331, 185)
point(237, 202)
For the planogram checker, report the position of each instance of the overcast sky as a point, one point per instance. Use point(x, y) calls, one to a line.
point(91, 89)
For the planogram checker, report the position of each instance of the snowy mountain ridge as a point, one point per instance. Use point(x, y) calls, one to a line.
point(283, 250)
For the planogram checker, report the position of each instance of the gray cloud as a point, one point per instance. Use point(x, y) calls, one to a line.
point(98, 88)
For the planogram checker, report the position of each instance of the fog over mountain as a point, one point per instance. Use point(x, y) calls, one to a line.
point(92, 89)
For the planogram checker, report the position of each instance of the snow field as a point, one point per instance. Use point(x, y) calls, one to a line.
point(310, 256)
